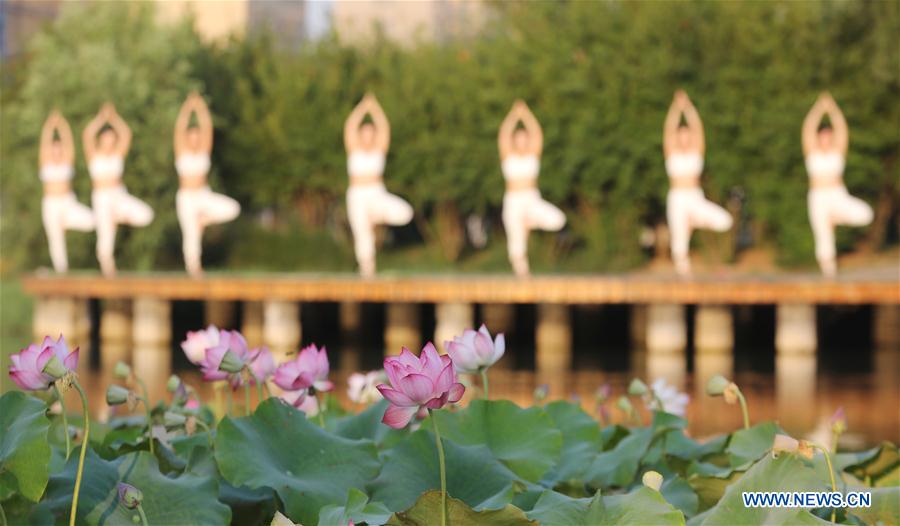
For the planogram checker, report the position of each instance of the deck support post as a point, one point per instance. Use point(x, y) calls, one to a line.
point(116, 343)
point(666, 343)
point(220, 313)
point(637, 328)
point(281, 330)
point(451, 320)
point(152, 333)
point(553, 341)
point(350, 322)
point(886, 338)
point(402, 328)
point(714, 343)
point(252, 322)
point(795, 362)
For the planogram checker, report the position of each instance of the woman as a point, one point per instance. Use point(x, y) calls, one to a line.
point(105, 150)
point(196, 204)
point(829, 202)
point(368, 202)
point(520, 162)
point(59, 208)
point(686, 206)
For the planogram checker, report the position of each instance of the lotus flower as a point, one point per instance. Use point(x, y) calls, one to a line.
point(227, 357)
point(129, 496)
point(302, 401)
point(309, 369)
point(475, 351)
point(427, 381)
point(197, 342)
point(34, 369)
point(262, 366)
point(672, 400)
point(363, 388)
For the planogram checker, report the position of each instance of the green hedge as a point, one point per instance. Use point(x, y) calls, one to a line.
point(599, 76)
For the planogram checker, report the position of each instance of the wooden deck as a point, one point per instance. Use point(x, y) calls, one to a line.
point(873, 288)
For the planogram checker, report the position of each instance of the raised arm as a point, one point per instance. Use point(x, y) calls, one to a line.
point(65, 138)
point(204, 120)
point(533, 127)
point(507, 128)
point(352, 124)
point(122, 130)
point(692, 117)
point(811, 125)
point(673, 118)
point(47, 137)
point(181, 125)
point(838, 123)
point(89, 135)
point(382, 125)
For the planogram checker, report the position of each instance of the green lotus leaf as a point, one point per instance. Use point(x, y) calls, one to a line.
point(357, 509)
point(427, 512)
point(308, 467)
point(24, 449)
point(748, 445)
point(885, 508)
point(642, 506)
point(618, 466)
point(581, 442)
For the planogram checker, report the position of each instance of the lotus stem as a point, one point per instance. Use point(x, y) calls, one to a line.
point(830, 474)
point(321, 404)
point(205, 427)
point(149, 424)
point(247, 398)
point(259, 391)
point(440, 448)
point(743, 401)
point(484, 382)
point(65, 419)
point(220, 405)
point(140, 510)
point(84, 445)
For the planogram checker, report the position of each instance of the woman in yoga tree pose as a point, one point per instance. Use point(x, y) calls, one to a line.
point(60, 209)
point(686, 206)
point(520, 162)
point(829, 202)
point(105, 150)
point(196, 205)
point(368, 202)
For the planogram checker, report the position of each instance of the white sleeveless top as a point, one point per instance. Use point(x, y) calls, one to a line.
point(192, 164)
point(688, 165)
point(106, 167)
point(519, 167)
point(828, 165)
point(56, 173)
point(365, 163)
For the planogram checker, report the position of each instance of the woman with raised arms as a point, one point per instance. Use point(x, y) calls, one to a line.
point(60, 209)
point(829, 202)
point(520, 161)
point(105, 150)
point(196, 205)
point(686, 207)
point(368, 202)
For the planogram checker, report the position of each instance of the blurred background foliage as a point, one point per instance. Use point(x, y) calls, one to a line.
point(599, 76)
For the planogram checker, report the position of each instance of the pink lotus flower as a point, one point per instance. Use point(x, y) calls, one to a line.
point(29, 364)
point(362, 388)
point(197, 342)
point(226, 358)
point(309, 369)
point(427, 381)
point(302, 401)
point(262, 366)
point(475, 351)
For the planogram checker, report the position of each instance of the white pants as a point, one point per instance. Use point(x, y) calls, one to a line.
point(61, 213)
point(687, 209)
point(368, 206)
point(197, 208)
point(111, 207)
point(523, 211)
point(829, 207)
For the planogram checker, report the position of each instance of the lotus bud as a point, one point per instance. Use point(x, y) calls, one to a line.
point(652, 480)
point(129, 496)
point(541, 392)
point(637, 388)
point(55, 368)
point(171, 419)
point(117, 395)
point(624, 404)
point(838, 421)
point(122, 371)
point(602, 393)
point(231, 363)
point(731, 393)
point(716, 385)
point(190, 425)
point(173, 383)
point(791, 445)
